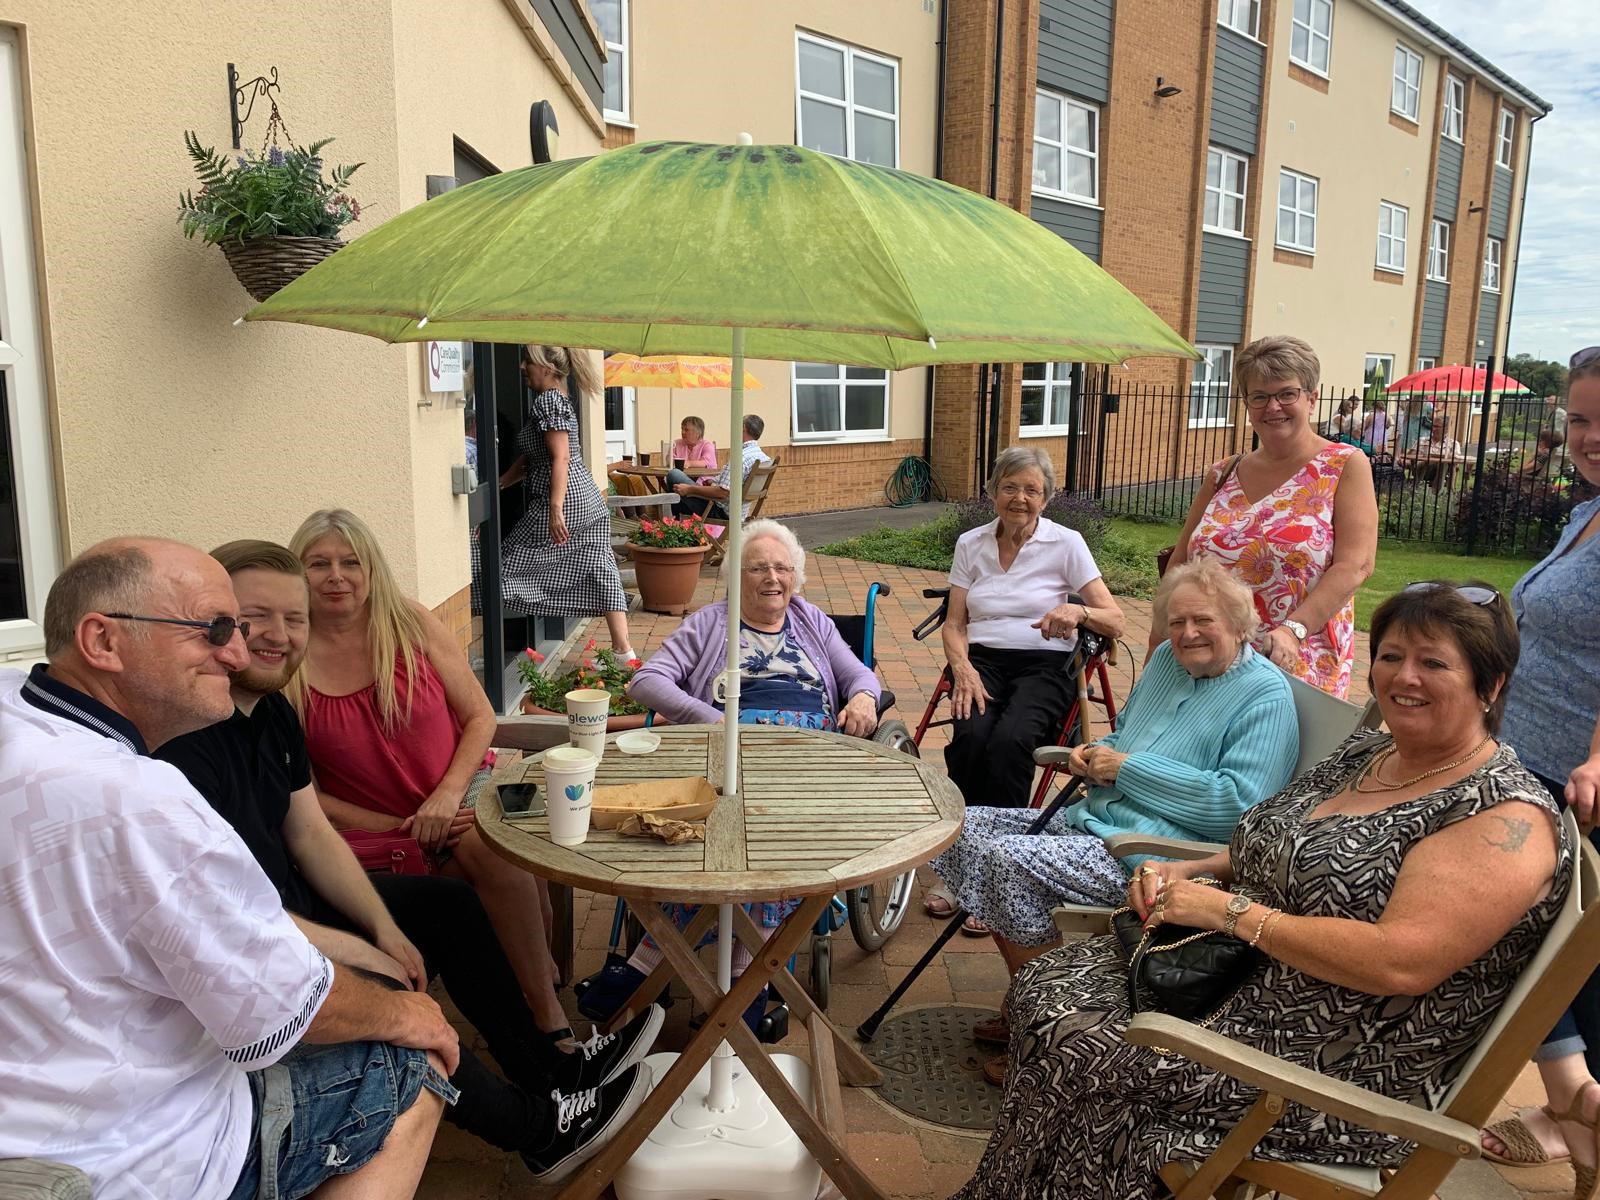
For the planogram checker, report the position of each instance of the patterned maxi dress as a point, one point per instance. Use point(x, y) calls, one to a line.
point(1279, 546)
point(1089, 1116)
point(576, 579)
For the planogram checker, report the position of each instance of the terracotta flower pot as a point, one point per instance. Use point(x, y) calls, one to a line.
point(614, 724)
point(667, 576)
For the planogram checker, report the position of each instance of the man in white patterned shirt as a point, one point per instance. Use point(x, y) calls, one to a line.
point(710, 499)
point(164, 1026)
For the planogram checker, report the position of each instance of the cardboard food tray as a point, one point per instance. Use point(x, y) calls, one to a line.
point(687, 799)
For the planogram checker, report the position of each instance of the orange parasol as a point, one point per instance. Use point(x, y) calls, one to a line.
point(673, 371)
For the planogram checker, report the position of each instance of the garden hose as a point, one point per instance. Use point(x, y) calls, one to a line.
point(913, 481)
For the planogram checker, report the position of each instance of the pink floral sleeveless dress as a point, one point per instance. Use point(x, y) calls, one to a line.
point(1279, 546)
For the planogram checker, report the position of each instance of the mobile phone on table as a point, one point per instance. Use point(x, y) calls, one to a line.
point(520, 798)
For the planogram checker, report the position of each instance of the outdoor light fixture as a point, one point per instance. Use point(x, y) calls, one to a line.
point(1167, 90)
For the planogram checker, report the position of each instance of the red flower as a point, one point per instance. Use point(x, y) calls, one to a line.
point(589, 645)
point(636, 663)
point(534, 654)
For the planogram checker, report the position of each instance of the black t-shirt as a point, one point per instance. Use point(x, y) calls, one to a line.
point(246, 767)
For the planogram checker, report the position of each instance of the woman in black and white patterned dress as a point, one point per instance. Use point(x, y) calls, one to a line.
point(558, 560)
point(1386, 956)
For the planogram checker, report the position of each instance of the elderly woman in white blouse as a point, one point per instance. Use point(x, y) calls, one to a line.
point(1010, 629)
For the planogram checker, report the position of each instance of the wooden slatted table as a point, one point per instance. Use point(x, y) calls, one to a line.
point(817, 813)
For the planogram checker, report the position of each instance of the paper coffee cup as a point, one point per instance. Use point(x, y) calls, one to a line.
point(569, 793)
point(587, 709)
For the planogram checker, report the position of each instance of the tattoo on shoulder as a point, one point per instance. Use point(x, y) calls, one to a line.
point(1515, 836)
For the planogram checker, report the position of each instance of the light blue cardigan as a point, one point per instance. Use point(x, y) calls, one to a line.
point(1200, 752)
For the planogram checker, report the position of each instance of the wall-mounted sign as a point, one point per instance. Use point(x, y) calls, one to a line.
point(446, 366)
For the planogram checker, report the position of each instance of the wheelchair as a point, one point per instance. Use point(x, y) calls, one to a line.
point(873, 912)
point(1102, 652)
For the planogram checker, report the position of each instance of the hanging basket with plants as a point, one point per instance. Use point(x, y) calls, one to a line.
point(667, 554)
point(273, 212)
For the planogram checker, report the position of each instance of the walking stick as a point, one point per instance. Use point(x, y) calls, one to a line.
point(1089, 644)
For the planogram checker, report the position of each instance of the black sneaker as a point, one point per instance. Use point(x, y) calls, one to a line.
point(584, 1121)
point(603, 1056)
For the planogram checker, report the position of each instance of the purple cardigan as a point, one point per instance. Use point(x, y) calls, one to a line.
point(676, 679)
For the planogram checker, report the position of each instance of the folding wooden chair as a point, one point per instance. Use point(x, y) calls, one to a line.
point(755, 493)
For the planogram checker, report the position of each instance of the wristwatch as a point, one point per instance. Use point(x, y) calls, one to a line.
point(1295, 628)
point(1237, 906)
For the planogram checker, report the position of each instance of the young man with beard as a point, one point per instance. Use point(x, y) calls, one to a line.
point(562, 1103)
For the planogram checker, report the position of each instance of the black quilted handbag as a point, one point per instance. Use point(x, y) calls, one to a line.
point(1189, 973)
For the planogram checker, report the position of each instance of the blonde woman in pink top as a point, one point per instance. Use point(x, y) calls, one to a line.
point(398, 728)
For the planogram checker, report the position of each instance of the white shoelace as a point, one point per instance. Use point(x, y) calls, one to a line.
point(572, 1105)
point(595, 1042)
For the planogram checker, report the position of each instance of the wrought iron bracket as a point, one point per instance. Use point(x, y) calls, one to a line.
point(247, 94)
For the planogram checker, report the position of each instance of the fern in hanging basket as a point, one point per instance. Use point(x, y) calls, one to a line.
point(273, 212)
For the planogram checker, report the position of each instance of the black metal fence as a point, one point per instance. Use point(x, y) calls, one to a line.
point(1449, 471)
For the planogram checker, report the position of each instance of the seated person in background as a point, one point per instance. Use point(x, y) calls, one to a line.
point(1375, 428)
point(706, 499)
point(1010, 628)
point(1418, 422)
point(165, 1025)
point(696, 450)
point(1208, 731)
point(1545, 462)
point(252, 768)
point(795, 668)
point(1396, 890)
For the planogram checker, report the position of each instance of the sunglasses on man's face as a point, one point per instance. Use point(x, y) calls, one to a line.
point(219, 630)
point(1480, 596)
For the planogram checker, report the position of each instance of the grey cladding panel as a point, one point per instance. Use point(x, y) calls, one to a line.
point(566, 28)
point(1075, 47)
point(1500, 203)
point(1430, 337)
point(1447, 191)
point(1224, 269)
point(1488, 318)
point(1074, 222)
point(1236, 94)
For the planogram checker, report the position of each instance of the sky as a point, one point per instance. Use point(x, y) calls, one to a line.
point(1548, 47)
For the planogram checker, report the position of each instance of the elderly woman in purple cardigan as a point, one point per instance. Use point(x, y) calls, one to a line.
point(794, 668)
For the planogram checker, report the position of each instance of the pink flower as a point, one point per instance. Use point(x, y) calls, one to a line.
point(636, 663)
point(589, 645)
point(534, 654)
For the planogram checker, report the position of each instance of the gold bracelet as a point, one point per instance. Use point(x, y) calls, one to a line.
point(1262, 924)
point(1267, 946)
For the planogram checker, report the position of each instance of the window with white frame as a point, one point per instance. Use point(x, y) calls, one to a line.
point(1379, 369)
point(1493, 249)
point(1046, 399)
point(1311, 34)
point(1478, 364)
point(1242, 16)
point(612, 17)
point(1426, 362)
point(1439, 251)
point(1226, 175)
point(1297, 211)
point(835, 403)
point(1506, 144)
point(1392, 222)
point(1405, 95)
point(1210, 387)
point(1455, 108)
point(848, 102)
point(1066, 147)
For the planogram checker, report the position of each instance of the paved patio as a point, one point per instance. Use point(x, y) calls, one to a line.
point(909, 1162)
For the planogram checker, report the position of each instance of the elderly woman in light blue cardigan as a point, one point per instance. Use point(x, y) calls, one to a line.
point(1208, 731)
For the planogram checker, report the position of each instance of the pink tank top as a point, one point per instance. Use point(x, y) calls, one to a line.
point(355, 759)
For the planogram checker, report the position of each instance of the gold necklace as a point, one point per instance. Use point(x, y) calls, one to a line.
point(1371, 769)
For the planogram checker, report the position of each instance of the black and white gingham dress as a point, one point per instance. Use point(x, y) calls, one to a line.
point(580, 578)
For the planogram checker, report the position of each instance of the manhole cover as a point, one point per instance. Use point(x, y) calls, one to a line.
point(932, 1068)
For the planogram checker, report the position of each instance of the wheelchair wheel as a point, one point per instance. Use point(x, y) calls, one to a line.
point(896, 735)
point(877, 909)
point(821, 988)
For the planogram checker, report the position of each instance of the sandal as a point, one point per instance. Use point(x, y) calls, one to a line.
point(1586, 1181)
point(972, 927)
point(939, 904)
point(1523, 1148)
point(994, 1071)
point(994, 1031)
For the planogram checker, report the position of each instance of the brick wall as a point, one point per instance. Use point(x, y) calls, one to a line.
point(821, 478)
point(456, 613)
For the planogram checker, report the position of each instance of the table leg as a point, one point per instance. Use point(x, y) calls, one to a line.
point(656, 982)
point(857, 1069)
point(598, 1172)
point(825, 1145)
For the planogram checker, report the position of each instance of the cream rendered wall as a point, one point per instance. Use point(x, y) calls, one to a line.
point(1344, 138)
point(473, 77)
point(709, 70)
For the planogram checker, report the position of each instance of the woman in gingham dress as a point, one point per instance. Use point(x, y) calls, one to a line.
point(558, 560)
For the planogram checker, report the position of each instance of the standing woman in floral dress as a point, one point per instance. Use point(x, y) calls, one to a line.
point(558, 560)
point(1295, 519)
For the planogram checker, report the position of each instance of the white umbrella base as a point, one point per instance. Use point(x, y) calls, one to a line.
point(746, 1153)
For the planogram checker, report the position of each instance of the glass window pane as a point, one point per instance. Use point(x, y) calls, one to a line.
point(875, 85)
point(874, 140)
point(1032, 406)
point(821, 70)
point(1034, 371)
point(608, 16)
point(1079, 135)
point(822, 127)
point(1232, 214)
point(1299, 43)
point(1047, 118)
point(1213, 169)
point(1236, 175)
point(1321, 16)
point(1046, 167)
point(1213, 217)
point(815, 371)
point(1080, 176)
point(816, 408)
point(1306, 231)
point(613, 82)
point(1307, 196)
point(1285, 227)
point(1286, 190)
point(875, 373)
point(864, 407)
point(13, 595)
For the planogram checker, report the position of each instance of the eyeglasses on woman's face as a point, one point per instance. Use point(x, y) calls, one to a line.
point(763, 569)
point(1284, 397)
point(1012, 490)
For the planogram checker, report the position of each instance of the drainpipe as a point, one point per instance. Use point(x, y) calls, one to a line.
point(938, 173)
point(989, 380)
point(1522, 212)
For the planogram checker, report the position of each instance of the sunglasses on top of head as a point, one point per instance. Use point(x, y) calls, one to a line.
point(1481, 596)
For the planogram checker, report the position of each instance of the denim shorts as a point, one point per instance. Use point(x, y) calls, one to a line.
point(325, 1111)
